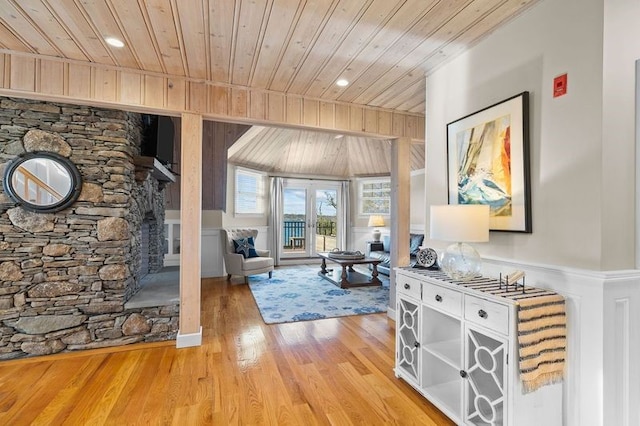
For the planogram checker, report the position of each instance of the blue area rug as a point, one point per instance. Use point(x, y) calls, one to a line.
point(299, 294)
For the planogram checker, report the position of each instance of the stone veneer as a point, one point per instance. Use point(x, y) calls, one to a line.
point(65, 277)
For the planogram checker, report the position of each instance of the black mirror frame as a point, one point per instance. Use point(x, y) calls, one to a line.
point(70, 198)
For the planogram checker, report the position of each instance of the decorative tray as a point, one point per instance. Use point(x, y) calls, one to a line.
point(350, 255)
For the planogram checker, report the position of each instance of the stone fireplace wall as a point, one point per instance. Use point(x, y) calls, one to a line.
point(148, 206)
point(64, 277)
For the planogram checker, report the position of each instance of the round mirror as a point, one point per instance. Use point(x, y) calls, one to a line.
point(42, 181)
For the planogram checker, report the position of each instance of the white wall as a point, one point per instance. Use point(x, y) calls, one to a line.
point(566, 133)
point(417, 214)
point(210, 218)
point(582, 144)
point(211, 248)
point(621, 49)
point(583, 176)
point(360, 233)
point(621, 122)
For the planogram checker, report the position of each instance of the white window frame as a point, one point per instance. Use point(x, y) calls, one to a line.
point(260, 195)
point(361, 198)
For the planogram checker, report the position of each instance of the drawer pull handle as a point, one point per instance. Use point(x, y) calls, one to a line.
point(483, 314)
point(438, 298)
point(463, 374)
point(407, 286)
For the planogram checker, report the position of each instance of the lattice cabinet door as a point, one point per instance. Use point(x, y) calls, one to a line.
point(486, 378)
point(407, 344)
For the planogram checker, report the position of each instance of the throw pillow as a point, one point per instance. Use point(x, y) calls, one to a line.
point(386, 243)
point(415, 241)
point(245, 247)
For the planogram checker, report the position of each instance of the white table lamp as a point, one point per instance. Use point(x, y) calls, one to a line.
point(376, 221)
point(460, 223)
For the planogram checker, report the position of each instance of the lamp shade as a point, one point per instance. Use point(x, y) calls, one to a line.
point(460, 223)
point(375, 220)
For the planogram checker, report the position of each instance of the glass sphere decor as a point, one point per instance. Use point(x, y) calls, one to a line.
point(461, 262)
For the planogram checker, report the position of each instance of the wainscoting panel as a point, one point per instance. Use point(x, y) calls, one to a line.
point(212, 259)
point(603, 323)
point(621, 365)
point(621, 370)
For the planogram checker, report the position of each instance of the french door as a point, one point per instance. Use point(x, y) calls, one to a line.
point(310, 217)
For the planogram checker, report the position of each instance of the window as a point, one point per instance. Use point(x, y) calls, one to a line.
point(374, 196)
point(249, 192)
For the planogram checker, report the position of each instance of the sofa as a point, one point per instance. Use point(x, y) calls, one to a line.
point(381, 250)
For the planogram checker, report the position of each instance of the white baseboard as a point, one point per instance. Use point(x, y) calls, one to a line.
point(304, 261)
point(189, 340)
point(391, 313)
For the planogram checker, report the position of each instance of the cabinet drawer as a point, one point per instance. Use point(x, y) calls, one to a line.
point(442, 298)
point(409, 286)
point(487, 314)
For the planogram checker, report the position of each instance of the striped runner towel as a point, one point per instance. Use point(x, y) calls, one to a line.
point(542, 340)
point(542, 327)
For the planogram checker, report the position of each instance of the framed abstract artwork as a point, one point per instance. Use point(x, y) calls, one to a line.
point(488, 162)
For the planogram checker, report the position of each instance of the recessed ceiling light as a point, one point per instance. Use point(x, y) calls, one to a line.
point(342, 82)
point(114, 42)
point(338, 136)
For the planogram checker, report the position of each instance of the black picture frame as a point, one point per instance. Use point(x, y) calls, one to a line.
point(488, 162)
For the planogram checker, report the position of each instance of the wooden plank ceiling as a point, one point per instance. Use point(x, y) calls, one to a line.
point(384, 48)
point(302, 152)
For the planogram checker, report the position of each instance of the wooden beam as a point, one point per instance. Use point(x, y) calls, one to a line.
point(155, 167)
point(133, 90)
point(190, 333)
point(400, 213)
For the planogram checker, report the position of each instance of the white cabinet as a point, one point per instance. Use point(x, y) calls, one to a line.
point(486, 378)
point(458, 348)
point(442, 360)
point(407, 337)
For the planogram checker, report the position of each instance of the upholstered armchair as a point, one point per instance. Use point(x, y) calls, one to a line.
point(242, 258)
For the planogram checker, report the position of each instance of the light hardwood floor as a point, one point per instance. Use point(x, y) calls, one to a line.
point(333, 371)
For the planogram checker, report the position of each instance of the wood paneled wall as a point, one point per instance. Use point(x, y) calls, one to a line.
point(31, 76)
point(217, 137)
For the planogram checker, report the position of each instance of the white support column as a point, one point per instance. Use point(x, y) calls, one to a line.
point(190, 332)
